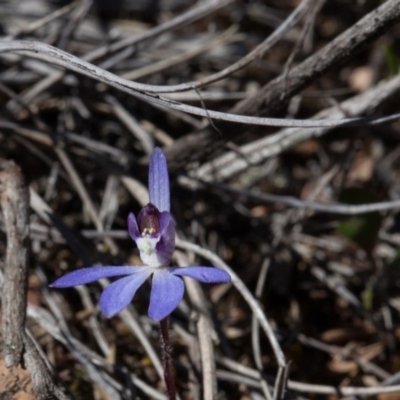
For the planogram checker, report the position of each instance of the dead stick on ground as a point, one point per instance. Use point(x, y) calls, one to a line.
point(275, 95)
point(14, 200)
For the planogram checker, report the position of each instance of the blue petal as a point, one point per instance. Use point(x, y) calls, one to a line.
point(88, 275)
point(166, 245)
point(119, 294)
point(133, 227)
point(202, 274)
point(166, 294)
point(159, 181)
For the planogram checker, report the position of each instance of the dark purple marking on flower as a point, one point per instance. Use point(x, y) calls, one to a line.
point(149, 220)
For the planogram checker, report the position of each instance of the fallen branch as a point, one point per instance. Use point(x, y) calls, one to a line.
point(18, 342)
point(14, 200)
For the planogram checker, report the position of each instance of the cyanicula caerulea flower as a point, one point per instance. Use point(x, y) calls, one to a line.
point(154, 234)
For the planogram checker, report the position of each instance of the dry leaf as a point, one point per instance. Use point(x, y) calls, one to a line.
point(15, 382)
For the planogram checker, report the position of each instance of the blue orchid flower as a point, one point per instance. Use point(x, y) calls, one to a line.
point(154, 234)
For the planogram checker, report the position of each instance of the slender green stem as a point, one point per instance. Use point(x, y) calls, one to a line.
point(167, 359)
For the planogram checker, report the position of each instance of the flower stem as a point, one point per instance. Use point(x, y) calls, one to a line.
point(167, 359)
